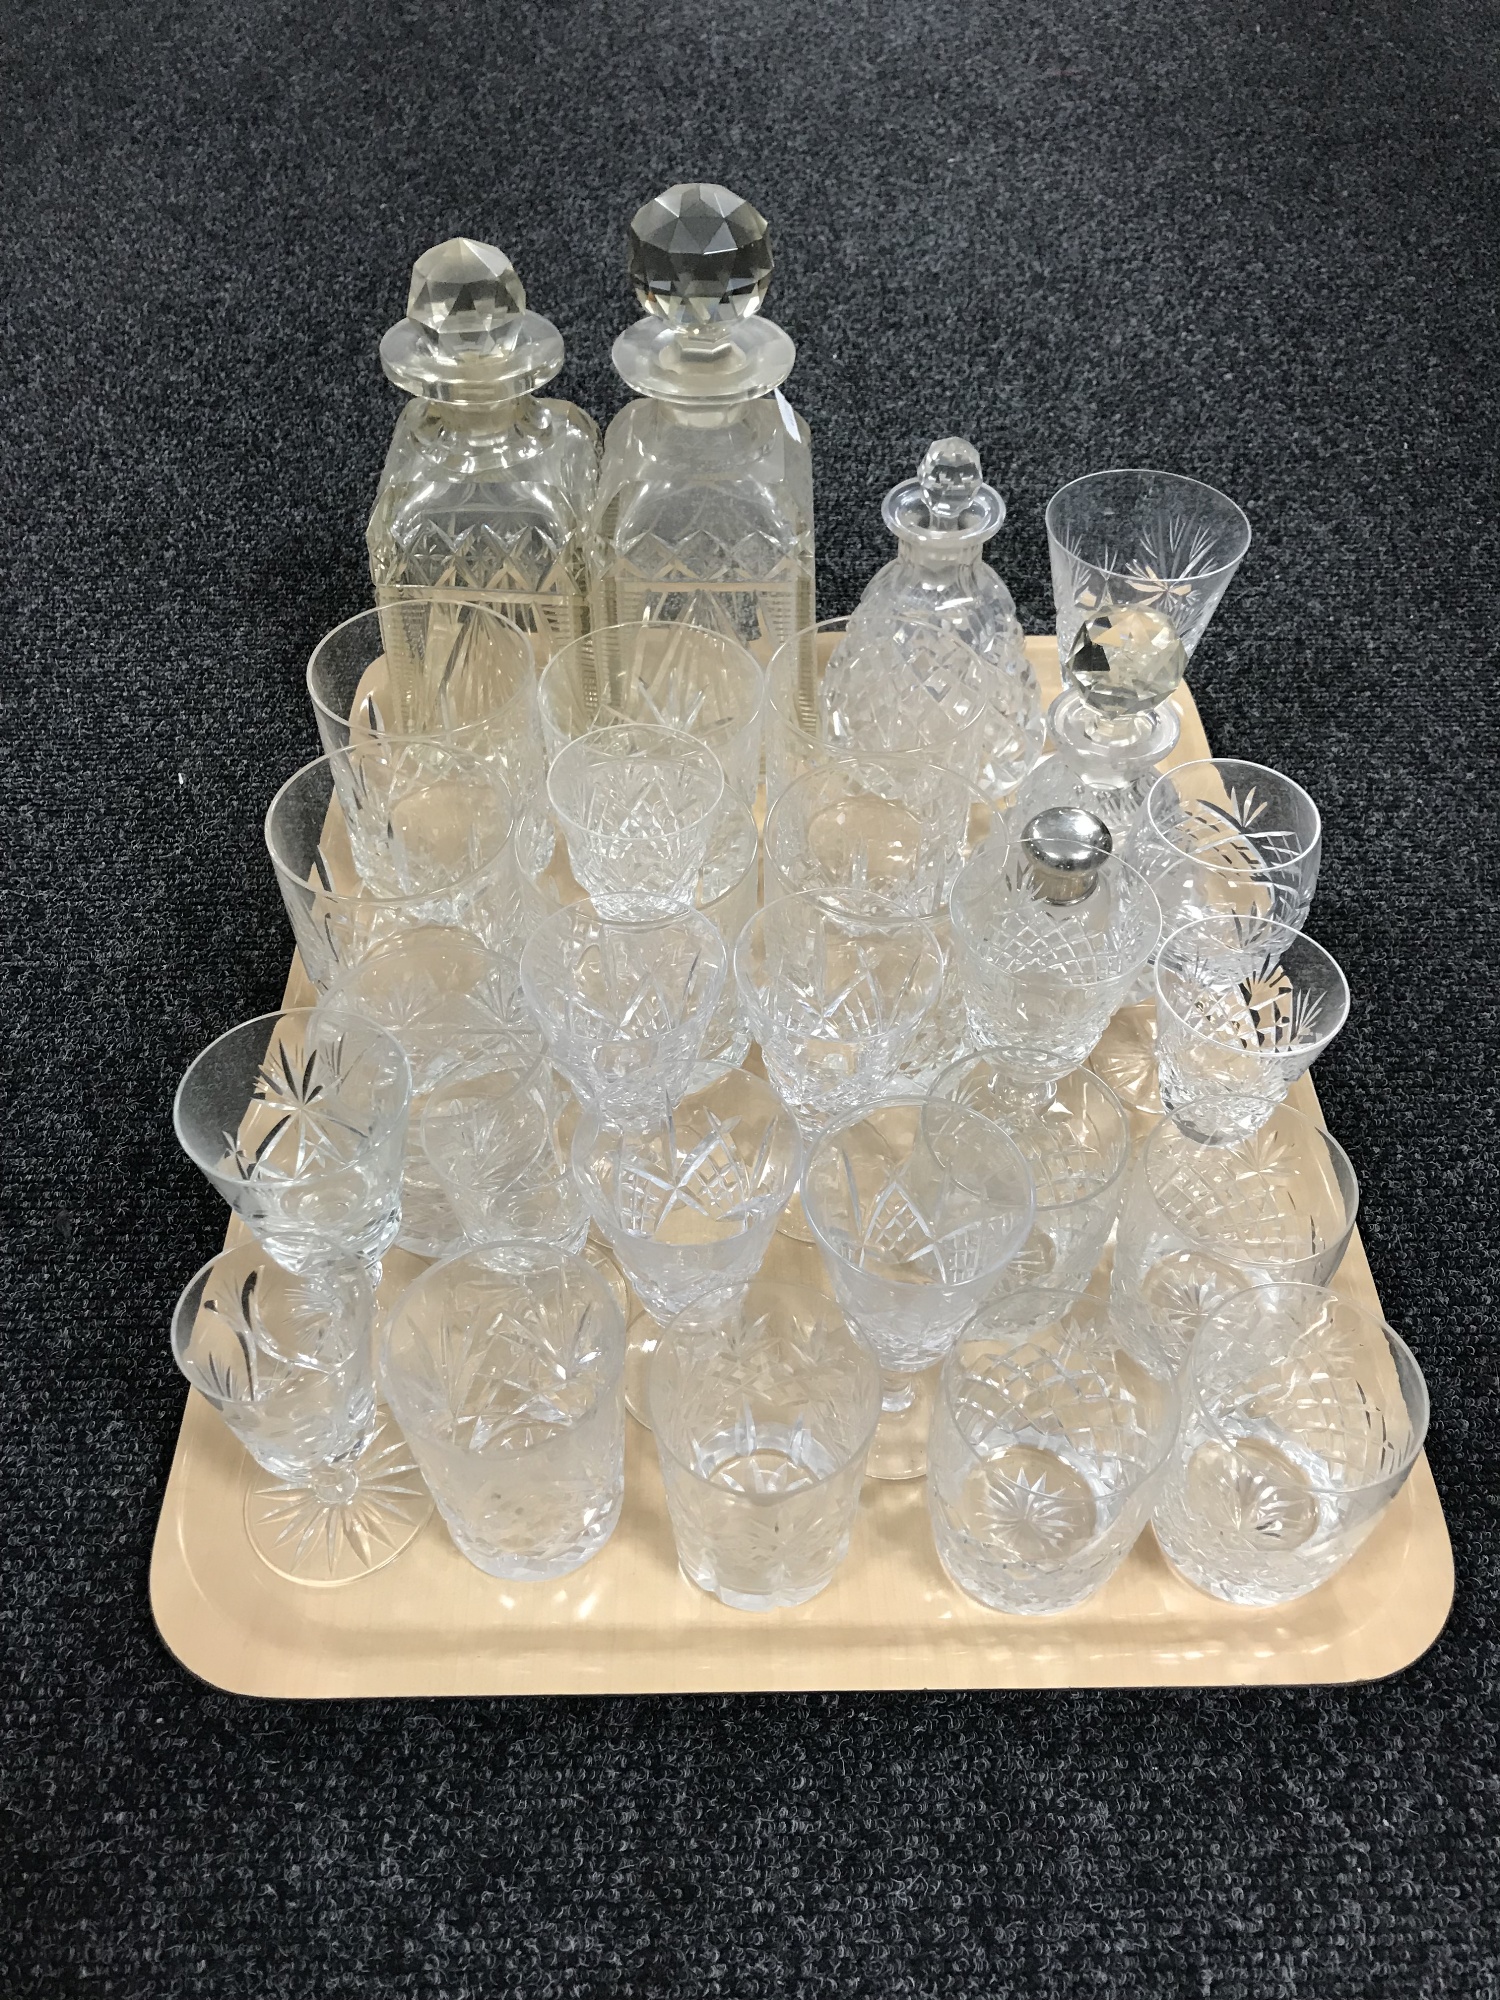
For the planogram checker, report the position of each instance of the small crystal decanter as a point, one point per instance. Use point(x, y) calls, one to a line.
point(487, 485)
point(941, 521)
point(705, 507)
point(1108, 730)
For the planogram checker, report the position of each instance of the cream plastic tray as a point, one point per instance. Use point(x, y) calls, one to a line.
point(628, 1623)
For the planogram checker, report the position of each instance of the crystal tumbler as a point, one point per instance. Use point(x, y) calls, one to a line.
point(637, 806)
point(689, 1202)
point(624, 1007)
point(1076, 1143)
point(286, 1360)
point(462, 874)
point(887, 833)
point(445, 998)
point(673, 676)
point(503, 1366)
point(469, 681)
point(1046, 1452)
point(1200, 1223)
point(1244, 1006)
point(763, 1410)
point(917, 1207)
point(1302, 1416)
point(494, 1134)
point(1223, 838)
point(299, 1120)
point(1045, 965)
point(1142, 538)
point(835, 998)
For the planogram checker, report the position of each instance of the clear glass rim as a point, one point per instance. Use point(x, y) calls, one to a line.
point(466, 599)
point(677, 1326)
point(991, 856)
point(1158, 792)
point(350, 1271)
point(1291, 935)
point(871, 918)
point(790, 647)
point(577, 748)
point(583, 643)
point(846, 767)
point(531, 1257)
point(1100, 1310)
point(1094, 1083)
point(1419, 1416)
point(474, 879)
point(1155, 1143)
point(455, 1081)
point(1153, 472)
point(339, 1017)
point(576, 919)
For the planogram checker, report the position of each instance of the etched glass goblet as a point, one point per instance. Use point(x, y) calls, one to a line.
point(624, 1008)
point(1244, 1006)
point(637, 806)
point(494, 1133)
point(1046, 1452)
point(878, 833)
point(916, 1207)
point(1140, 538)
point(503, 1366)
point(763, 1409)
point(1302, 1416)
point(1049, 930)
point(456, 871)
point(672, 676)
point(439, 666)
point(1223, 838)
point(286, 1359)
point(1076, 1143)
point(445, 998)
point(299, 1120)
point(689, 1202)
point(1200, 1223)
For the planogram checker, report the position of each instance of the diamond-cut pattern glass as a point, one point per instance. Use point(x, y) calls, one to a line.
point(699, 254)
point(637, 805)
point(463, 291)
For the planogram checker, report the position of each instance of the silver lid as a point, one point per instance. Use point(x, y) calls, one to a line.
point(1066, 848)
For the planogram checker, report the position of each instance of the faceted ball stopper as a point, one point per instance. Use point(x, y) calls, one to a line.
point(1066, 847)
point(950, 475)
point(1126, 660)
point(465, 294)
point(699, 255)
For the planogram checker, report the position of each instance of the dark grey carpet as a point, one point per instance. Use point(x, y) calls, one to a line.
point(1254, 242)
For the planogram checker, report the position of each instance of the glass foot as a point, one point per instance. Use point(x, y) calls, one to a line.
point(348, 1520)
point(899, 1447)
point(1126, 1060)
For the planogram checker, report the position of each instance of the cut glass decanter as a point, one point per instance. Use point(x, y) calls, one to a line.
point(486, 485)
point(704, 512)
point(940, 584)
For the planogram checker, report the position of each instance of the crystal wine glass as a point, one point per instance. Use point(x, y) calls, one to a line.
point(889, 833)
point(637, 806)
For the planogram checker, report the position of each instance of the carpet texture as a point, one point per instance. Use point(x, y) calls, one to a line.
point(1254, 242)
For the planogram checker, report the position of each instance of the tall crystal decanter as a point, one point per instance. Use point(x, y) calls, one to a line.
point(1112, 724)
point(939, 579)
point(705, 506)
point(487, 485)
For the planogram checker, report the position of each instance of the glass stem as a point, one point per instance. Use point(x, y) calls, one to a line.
point(897, 1392)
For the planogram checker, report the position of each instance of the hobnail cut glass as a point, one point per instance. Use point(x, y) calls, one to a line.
point(504, 1367)
point(1041, 978)
point(908, 686)
point(916, 1208)
point(1220, 837)
point(1142, 538)
point(637, 806)
point(671, 676)
point(299, 1120)
point(284, 1357)
point(1302, 1416)
point(834, 998)
point(689, 1202)
point(875, 833)
point(1244, 1006)
point(469, 683)
point(763, 1410)
point(464, 877)
point(1076, 1142)
point(1046, 1452)
point(1199, 1223)
point(624, 1008)
point(494, 1134)
point(445, 998)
